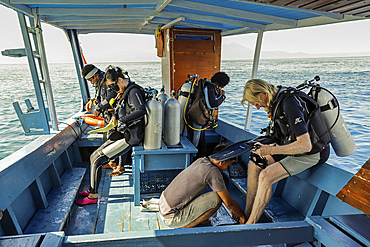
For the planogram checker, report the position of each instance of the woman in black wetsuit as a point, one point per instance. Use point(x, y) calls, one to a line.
point(129, 111)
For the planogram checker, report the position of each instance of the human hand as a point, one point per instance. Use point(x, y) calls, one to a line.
point(261, 149)
point(112, 120)
point(89, 105)
point(96, 113)
point(222, 92)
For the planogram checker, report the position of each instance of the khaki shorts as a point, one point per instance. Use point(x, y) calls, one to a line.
point(294, 165)
point(193, 210)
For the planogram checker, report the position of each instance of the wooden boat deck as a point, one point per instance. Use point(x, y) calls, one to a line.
point(115, 211)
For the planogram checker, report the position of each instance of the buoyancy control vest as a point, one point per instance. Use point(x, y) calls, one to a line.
point(134, 133)
point(198, 112)
point(282, 133)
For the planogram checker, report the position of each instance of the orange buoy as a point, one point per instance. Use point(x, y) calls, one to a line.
point(94, 121)
point(91, 116)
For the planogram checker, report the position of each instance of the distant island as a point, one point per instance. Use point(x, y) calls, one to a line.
point(235, 51)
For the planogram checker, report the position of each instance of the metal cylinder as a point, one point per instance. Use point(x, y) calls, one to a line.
point(171, 133)
point(341, 139)
point(183, 100)
point(162, 98)
point(153, 129)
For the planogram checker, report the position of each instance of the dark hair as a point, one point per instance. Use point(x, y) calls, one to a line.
point(87, 68)
point(112, 73)
point(220, 147)
point(220, 78)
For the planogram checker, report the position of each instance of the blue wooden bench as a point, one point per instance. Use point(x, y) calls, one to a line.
point(50, 239)
point(60, 201)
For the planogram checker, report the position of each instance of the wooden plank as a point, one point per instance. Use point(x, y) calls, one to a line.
point(357, 225)
point(134, 219)
point(280, 211)
point(116, 199)
point(235, 235)
point(53, 239)
point(60, 201)
point(356, 191)
point(24, 240)
point(328, 234)
point(103, 195)
point(196, 46)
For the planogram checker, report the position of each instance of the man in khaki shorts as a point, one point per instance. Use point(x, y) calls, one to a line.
point(182, 205)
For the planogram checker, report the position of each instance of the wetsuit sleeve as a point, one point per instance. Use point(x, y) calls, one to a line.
point(135, 99)
point(105, 103)
point(295, 110)
point(212, 100)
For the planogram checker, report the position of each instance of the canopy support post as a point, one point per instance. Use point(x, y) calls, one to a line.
point(256, 59)
point(79, 64)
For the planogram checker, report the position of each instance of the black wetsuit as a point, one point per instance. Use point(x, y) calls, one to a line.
point(103, 97)
point(213, 99)
point(130, 113)
point(292, 122)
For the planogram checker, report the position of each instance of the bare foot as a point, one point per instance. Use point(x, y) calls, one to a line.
point(119, 171)
point(110, 165)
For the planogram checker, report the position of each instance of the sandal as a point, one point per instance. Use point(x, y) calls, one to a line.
point(119, 171)
point(110, 165)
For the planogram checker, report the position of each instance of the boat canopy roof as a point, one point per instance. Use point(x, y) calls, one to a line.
point(230, 16)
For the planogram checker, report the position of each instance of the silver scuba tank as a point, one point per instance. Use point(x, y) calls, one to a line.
point(162, 98)
point(183, 100)
point(153, 128)
point(171, 133)
point(341, 139)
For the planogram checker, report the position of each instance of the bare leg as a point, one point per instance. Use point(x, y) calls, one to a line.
point(204, 216)
point(267, 178)
point(252, 182)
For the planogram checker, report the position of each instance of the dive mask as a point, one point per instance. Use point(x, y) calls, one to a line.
point(113, 87)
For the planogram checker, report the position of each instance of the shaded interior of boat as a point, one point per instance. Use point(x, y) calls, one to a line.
point(51, 186)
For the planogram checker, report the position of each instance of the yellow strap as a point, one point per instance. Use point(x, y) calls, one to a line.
point(186, 104)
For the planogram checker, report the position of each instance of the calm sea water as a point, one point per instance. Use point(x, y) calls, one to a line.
point(347, 78)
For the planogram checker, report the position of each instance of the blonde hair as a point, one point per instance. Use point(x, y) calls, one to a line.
point(253, 88)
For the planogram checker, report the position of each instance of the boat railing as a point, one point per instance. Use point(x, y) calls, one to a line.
point(30, 175)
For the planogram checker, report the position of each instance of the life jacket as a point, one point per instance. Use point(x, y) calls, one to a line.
point(198, 112)
point(135, 128)
point(282, 133)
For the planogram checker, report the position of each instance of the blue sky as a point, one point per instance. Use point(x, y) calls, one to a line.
point(347, 37)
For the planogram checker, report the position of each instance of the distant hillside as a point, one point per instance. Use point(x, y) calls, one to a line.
point(235, 51)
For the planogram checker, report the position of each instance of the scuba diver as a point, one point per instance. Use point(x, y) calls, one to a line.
point(208, 97)
point(129, 112)
point(182, 204)
point(297, 126)
point(102, 97)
